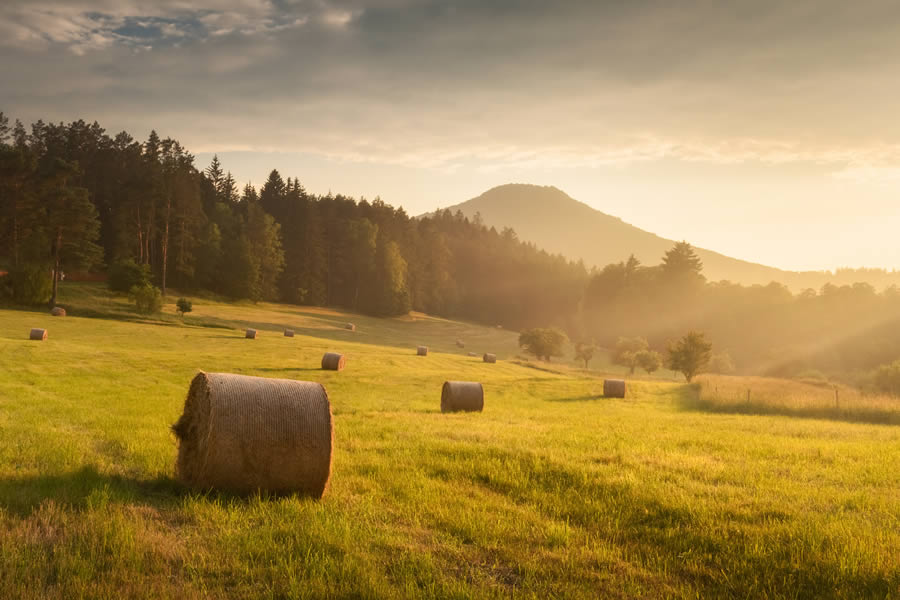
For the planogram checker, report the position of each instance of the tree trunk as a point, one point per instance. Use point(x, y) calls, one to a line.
point(57, 243)
point(165, 245)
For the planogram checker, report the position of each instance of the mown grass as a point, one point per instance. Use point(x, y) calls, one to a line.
point(769, 396)
point(550, 492)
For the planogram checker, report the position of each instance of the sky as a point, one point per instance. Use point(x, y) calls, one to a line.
point(765, 130)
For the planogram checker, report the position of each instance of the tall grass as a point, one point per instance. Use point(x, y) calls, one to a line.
point(768, 396)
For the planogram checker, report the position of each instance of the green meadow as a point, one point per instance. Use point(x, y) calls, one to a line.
point(551, 492)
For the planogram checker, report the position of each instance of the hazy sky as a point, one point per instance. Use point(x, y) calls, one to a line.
point(767, 130)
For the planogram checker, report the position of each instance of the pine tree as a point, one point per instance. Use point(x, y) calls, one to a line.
point(69, 220)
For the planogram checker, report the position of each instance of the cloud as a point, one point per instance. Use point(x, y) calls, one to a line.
point(511, 84)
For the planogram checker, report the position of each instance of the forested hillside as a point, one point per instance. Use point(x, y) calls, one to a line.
point(76, 198)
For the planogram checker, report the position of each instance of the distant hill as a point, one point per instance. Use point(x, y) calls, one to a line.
point(560, 224)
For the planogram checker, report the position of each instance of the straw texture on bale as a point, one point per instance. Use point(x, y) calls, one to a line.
point(350, 327)
point(473, 354)
point(490, 358)
point(245, 434)
point(58, 311)
point(288, 333)
point(422, 350)
point(251, 334)
point(38, 334)
point(332, 361)
point(462, 396)
point(614, 388)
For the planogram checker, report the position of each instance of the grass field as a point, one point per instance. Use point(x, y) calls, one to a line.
point(550, 492)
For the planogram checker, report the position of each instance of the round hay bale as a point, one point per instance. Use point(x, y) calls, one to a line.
point(288, 333)
point(422, 351)
point(490, 358)
point(460, 344)
point(473, 354)
point(58, 311)
point(350, 327)
point(38, 334)
point(462, 396)
point(332, 361)
point(250, 335)
point(613, 388)
point(246, 434)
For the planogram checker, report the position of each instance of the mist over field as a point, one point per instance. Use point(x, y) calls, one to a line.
point(418, 299)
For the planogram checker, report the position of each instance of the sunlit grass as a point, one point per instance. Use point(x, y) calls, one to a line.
point(550, 492)
point(762, 395)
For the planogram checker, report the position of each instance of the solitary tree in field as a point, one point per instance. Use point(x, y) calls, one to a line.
point(690, 355)
point(543, 343)
point(183, 305)
point(585, 351)
point(649, 360)
point(627, 350)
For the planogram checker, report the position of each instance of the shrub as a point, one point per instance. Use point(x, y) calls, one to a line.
point(127, 274)
point(184, 306)
point(31, 283)
point(147, 298)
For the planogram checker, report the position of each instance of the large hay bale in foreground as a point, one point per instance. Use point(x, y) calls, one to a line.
point(350, 327)
point(462, 396)
point(246, 434)
point(422, 351)
point(251, 334)
point(490, 358)
point(332, 361)
point(58, 311)
point(38, 334)
point(288, 333)
point(613, 388)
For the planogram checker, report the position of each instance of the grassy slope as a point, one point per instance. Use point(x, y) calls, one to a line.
point(549, 492)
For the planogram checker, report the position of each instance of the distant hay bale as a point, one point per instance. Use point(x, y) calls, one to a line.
point(462, 396)
point(422, 350)
point(288, 333)
point(58, 311)
point(332, 361)
point(460, 344)
point(38, 334)
point(613, 388)
point(251, 334)
point(245, 434)
point(350, 327)
point(490, 358)
point(473, 354)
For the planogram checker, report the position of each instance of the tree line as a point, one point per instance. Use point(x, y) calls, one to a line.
point(73, 197)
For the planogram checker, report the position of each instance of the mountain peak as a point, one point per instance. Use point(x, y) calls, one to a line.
point(550, 218)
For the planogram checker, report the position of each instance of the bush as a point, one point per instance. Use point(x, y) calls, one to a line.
point(127, 274)
point(184, 306)
point(31, 283)
point(147, 298)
